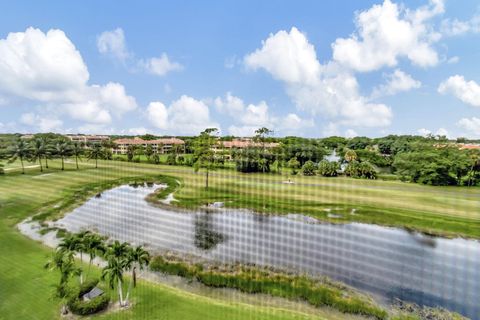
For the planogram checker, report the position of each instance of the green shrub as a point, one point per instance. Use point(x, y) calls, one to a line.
point(80, 307)
point(83, 308)
point(328, 169)
point(360, 170)
point(308, 169)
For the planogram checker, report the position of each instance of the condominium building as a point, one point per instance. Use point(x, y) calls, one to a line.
point(87, 139)
point(158, 145)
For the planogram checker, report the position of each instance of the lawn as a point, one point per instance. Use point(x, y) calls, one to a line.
point(26, 289)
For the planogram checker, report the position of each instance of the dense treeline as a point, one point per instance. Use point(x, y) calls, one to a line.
point(428, 160)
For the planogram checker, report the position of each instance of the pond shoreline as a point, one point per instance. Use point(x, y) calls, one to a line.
point(155, 200)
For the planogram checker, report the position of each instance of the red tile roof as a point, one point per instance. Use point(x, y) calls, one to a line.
point(470, 147)
point(157, 141)
point(247, 143)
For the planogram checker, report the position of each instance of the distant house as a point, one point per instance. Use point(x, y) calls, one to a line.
point(244, 143)
point(87, 139)
point(95, 292)
point(465, 146)
point(158, 145)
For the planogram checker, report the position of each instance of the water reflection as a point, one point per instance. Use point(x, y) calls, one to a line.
point(206, 238)
point(392, 263)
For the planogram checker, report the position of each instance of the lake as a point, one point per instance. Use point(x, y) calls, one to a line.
point(386, 262)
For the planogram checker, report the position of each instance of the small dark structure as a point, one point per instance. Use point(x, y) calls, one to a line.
point(95, 292)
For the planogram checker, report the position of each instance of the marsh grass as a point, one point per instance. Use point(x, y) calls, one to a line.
point(255, 280)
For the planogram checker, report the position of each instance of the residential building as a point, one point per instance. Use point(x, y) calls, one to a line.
point(164, 145)
point(246, 143)
point(87, 139)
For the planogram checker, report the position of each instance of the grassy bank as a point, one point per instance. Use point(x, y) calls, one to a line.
point(27, 289)
point(445, 211)
point(256, 280)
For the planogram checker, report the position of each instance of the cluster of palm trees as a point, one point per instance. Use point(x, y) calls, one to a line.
point(40, 150)
point(120, 258)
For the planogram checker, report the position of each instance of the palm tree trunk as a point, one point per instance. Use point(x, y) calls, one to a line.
point(46, 162)
point(63, 166)
point(96, 163)
point(76, 161)
point(40, 162)
point(206, 180)
point(81, 270)
point(120, 293)
point(23, 168)
point(130, 286)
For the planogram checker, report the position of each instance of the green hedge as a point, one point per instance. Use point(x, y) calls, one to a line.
point(253, 280)
point(83, 308)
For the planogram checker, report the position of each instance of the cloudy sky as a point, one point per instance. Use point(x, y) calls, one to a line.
point(311, 68)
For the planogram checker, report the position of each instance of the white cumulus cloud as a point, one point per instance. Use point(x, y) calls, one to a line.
point(186, 115)
point(388, 32)
point(47, 69)
point(466, 91)
point(472, 125)
point(113, 43)
point(287, 56)
point(396, 82)
point(318, 89)
point(160, 66)
point(41, 123)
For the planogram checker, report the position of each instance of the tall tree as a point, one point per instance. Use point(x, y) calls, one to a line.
point(77, 151)
point(149, 152)
point(64, 263)
point(95, 152)
point(94, 246)
point(204, 155)
point(117, 258)
point(48, 149)
point(38, 151)
point(19, 150)
point(63, 150)
point(136, 257)
point(131, 152)
point(73, 244)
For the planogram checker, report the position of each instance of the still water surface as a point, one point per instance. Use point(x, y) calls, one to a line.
point(388, 262)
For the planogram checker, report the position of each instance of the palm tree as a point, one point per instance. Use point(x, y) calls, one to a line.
point(131, 152)
point(70, 245)
point(117, 257)
point(62, 149)
point(38, 151)
point(94, 247)
point(63, 262)
point(114, 272)
point(137, 257)
point(118, 250)
point(81, 246)
point(48, 150)
point(95, 152)
point(149, 152)
point(77, 151)
point(19, 150)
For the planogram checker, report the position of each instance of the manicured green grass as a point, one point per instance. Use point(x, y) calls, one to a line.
point(26, 288)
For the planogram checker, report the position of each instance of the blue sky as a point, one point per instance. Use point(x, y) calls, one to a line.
point(310, 68)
